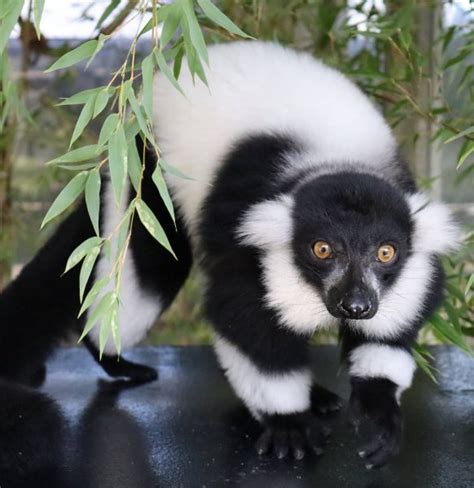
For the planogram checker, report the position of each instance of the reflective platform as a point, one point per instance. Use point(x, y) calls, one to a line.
point(188, 430)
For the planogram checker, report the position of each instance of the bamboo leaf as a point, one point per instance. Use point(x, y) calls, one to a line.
point(151, 224)
point(463, 133)
point(106, 14)
point(101, 102)
point(9, 21)
point(81, 251)
point(165, 69)
point(84, 118)
point(136, 109)
point(170, 24)
point(76, 155)
point(81, 52)
point(134, 166)
point(104, 304)
point(219, 18)
point(67, 196)
point(118, 162)
point(99, 46)
point(38, 7)
point(86, 269)
point(160, 183)
point(173, 170)
point(92, 194)
point(147, 79)
point(82, 97)
point(93, 293)
point(108, 127)
point(191, 25)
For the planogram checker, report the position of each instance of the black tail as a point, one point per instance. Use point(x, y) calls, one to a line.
point(40, 306)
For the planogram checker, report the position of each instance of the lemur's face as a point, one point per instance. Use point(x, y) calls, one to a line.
point(352, 236)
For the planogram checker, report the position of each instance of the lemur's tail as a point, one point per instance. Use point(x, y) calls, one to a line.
point(40, 306)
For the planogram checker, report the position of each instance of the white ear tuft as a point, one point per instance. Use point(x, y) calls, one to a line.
point(267, 224)
point(436, 231)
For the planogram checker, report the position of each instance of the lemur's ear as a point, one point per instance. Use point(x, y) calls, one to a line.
point(436, 231)
point(267, 224)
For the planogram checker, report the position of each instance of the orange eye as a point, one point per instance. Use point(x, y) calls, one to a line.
point(322, 250)
point(386, 253)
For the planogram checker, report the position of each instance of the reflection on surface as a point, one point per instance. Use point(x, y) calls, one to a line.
point(39, 449)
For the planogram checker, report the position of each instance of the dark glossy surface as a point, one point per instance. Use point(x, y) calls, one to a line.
point(187, 429)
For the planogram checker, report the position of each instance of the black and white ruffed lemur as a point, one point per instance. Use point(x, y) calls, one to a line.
point(302, 217)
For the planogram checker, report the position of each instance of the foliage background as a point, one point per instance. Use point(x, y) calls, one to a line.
point(415, 59)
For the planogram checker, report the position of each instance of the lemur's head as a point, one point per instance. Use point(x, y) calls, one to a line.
point(350, 246)
point(352, 234)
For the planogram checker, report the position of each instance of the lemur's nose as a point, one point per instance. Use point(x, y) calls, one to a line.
point(355, 307)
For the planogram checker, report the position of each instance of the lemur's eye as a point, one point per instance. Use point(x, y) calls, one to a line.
point(386, 253)
point(322, 250)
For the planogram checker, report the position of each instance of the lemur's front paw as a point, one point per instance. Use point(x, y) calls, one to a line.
point(291, 435)
point(373, 404)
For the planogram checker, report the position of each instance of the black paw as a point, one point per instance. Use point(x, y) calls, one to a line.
point(375, 414)
point(324, 401)
point(136, 373)
point(291, 435)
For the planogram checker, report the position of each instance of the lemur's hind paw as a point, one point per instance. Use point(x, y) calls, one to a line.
point(324, 401)
point(137, 373)
point(291, 435)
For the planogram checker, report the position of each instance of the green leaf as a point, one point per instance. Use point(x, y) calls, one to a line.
point(92, 194)
point(165, 69)
point(81, 251)
point(136, 109)
point(8, 23)
point(86, 269)
point(173, 170)
point(104, 304)
point(147, 79)
point(449, 333)
point(465, 153)
point(191, 25)
point(151, 224)
point(81, 154)
point(67, 196)
point(111, 123)
point(106, 326)
point(84, 118)
point(38, 7)
point(118, 162)
point(100, 45)
point(101, 102)
point(106, 14)
point(463, 133)
point(82, 97)
point(134, 166)
point(81, 52)
point(93, 292)
point(160, 183)
point(77, 167)
point(469, 284)
point(213, 13)
point(170, 24)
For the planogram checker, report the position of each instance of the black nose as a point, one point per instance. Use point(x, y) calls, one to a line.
point(355, 308)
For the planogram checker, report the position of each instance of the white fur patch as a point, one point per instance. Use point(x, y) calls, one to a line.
point(381, 360)
point(138, 309)
point(298, 305)
point(263, 393)
point(267, 224)
point(402, 303)
point(435, 229)
point(258, 87)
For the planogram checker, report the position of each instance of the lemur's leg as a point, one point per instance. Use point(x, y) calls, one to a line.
point(380, 369)
point(151, 276)
point(266, 363)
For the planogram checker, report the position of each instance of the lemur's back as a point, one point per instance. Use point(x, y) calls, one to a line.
point(263, 87)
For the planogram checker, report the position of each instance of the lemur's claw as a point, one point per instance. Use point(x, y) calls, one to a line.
point(291, 436)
